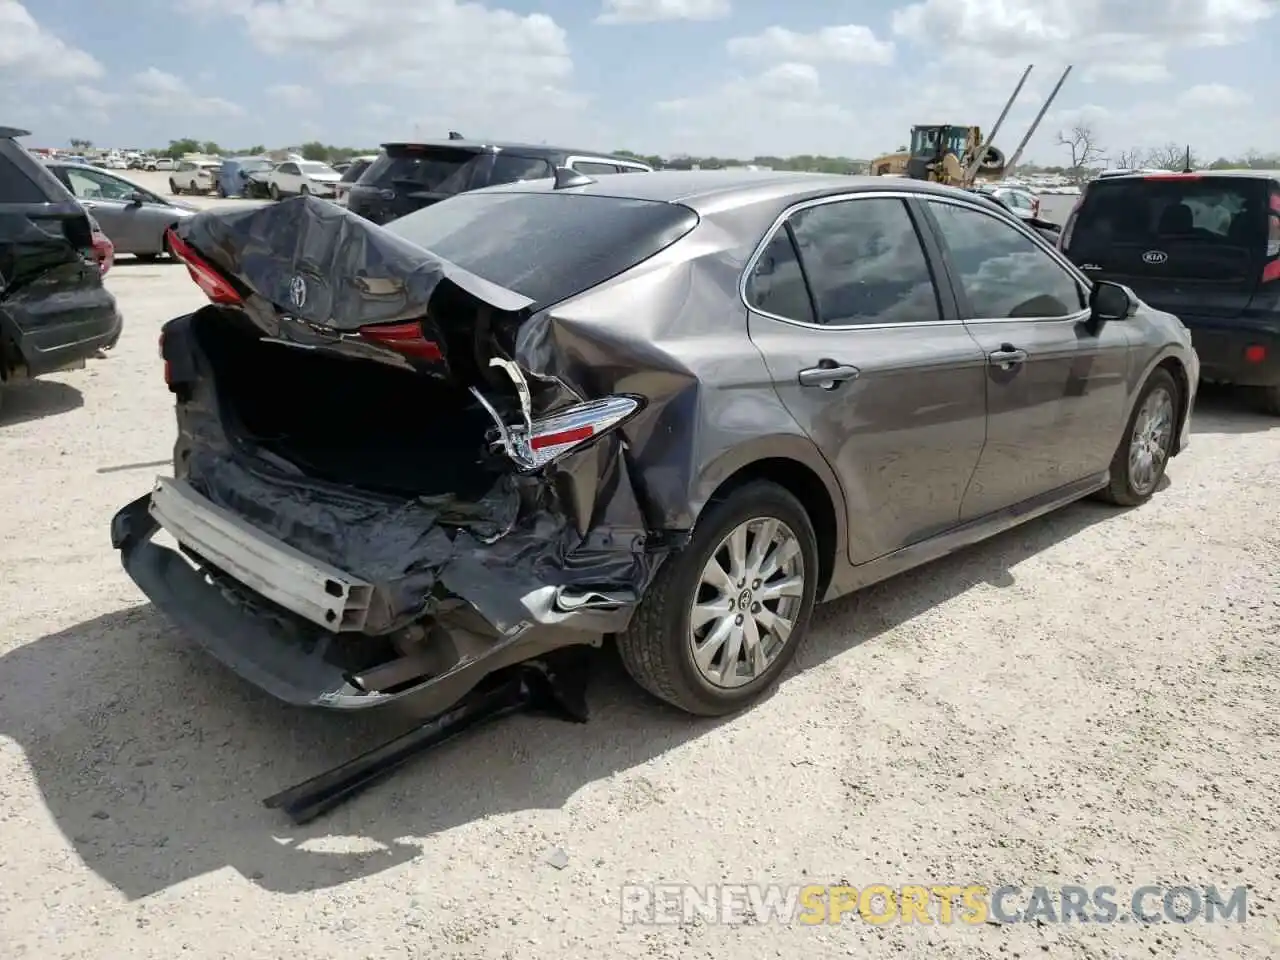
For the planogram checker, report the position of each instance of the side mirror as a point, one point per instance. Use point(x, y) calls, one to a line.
point(136, 199)
point(1111, 301)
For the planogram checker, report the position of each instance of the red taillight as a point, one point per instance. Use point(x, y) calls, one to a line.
point(1255, 353)
point(215, 286)
point(544, 441)
point(104, 251)
point(405, 338)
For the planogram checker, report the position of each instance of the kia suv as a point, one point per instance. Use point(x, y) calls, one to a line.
point(1204, 246)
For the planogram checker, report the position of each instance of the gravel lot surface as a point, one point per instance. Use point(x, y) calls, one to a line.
point(1091, 699)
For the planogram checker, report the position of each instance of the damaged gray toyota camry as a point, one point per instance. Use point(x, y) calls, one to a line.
point(670, 409)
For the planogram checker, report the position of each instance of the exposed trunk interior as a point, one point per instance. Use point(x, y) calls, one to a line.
point(350, 421)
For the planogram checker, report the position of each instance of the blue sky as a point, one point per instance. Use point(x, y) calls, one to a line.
point(729, 77)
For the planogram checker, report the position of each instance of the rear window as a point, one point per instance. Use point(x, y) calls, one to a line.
point(545, 246)
point(15, 185)
point(433, 169)
point(1215, 211)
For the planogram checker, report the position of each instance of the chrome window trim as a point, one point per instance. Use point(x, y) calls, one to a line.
point(962, 202)
point(608, 161)
point(818, 202)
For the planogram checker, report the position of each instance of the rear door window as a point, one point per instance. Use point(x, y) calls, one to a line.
point(510, 169)
point(1192, 228)
point(865, 263)
point(592, 168)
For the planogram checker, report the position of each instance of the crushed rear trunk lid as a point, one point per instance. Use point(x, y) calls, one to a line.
point(321, 264)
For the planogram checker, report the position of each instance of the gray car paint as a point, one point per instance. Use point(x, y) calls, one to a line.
point(134, 227)
point(931, 448)
point(896, 476)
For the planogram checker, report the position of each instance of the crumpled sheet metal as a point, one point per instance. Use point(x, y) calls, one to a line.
point(353, 273)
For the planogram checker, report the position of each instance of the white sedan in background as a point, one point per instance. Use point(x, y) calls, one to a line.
point(303, 177)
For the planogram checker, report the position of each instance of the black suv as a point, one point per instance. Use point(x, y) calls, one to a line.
point(409, 176)
point(54, 311)
point(1204, 246)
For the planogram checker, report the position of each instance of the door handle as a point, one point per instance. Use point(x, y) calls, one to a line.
point(1007, 357)
point(828, 374)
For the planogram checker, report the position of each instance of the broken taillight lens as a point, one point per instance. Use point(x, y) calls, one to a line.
point(535, 443)
point(547, 439)
point(406, 338)
point(215, 286)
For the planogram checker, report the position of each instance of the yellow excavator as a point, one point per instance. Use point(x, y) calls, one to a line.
point(959, 155)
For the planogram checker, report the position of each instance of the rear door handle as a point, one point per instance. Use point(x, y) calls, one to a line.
point(828, 374)
point(1007, 357)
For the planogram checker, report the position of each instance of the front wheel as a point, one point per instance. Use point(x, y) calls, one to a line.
point(305, 191)
point(173, 187)
point(723, 617)
point(274, 192)
point(1143, 455)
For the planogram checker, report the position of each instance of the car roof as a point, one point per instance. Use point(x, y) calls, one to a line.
point(707, 190)
point(1196, 174)
point(532, 149)
point(13, 132)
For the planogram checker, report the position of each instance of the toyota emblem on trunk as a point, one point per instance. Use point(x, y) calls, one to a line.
point(298, 292)
point(1155, 256)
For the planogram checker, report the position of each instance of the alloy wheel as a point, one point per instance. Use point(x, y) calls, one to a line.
point(1149, 444)
point(748, 598)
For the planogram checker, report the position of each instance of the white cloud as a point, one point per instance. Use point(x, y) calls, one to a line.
point(786, 104)
point(850, 43)
point(163, 92)
point(453, 61)
point(291, 95)
point(32, 52)
point(1214, 96)
point(655, 11)
point(1098, 33)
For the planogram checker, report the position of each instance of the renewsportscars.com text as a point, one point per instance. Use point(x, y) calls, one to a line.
point(944, 904)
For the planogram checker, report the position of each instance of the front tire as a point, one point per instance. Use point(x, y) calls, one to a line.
point(724, 616)
point(173, 187)
point(1143, 454)
point(305, 192)
point(274, 192)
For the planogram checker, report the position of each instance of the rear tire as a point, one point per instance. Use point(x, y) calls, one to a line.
point(274, 191)
point(1142, 457)
point(173, 187)
point(759, 529)
point(1268, 399)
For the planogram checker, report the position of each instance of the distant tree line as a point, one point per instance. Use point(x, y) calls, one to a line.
point(1086, 156)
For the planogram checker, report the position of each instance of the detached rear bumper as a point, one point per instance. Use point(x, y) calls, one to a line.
point(289, 653)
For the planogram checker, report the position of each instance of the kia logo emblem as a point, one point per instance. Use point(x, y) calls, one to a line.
point(1155, 256)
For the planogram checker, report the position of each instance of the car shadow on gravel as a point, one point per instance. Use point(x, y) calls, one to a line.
point(36, 399)
point(1223, 409)
point(153, 760)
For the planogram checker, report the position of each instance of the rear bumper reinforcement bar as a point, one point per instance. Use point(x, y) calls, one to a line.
point(325, 595)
